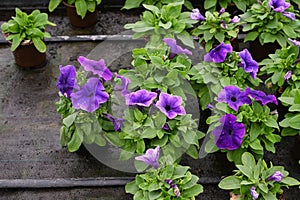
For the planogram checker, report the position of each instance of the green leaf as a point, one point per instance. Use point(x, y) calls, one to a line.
point(230, 183)
point(81, 8)
point(131, 187)
point(129, 4)
point(248, 160)
point(76, 141)
point(294, 108)
point(99, 140)
point(39, 44)
point(53, 4)
point(68, 121)
point(140, 146)
point(251, 36)
point(192, 192)
point(290, 181)
point(154, 194)
point(246, 170)
point(271, 122)
point(263, 187)
point(294, 122)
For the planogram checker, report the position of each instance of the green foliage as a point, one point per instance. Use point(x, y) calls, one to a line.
point(23, 27)
point(151, 184)
point(242, 5)
point(82, 6)
point(130, 4)
point(254, 174)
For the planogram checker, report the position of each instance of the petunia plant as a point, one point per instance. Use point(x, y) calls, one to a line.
point(129, 4)
point(256, 181)
point(240, 4)
point(164, 180)
point(242, 121)
point(222, 67)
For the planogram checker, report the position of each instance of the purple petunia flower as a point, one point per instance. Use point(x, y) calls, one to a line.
point(151, 157)
point(277, 177)
point(67, 80)
point(223, 24)
point(235, 19)
point(234, 97)
point(96, 67)
point(248, 63)
point(295, 42)
point(289, 15)
point(222, 10)
point(140, 98)
point(89, 96)
point(219, 53)
point(229, 135)
point(262, 97)
point(279, 5)
point(117, 122)
point(196, 15)
point(253, 193)
point(174, 48)
point(170, 105)
point(166, 127)
point(124, 86)
point(174, 186)
point(288, 75)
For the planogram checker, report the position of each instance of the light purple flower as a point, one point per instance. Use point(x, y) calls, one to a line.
point(248, 63)
point(229, 135)
point(174, 48)
point(288, 75)
point(140, 98)
point(253, 193)
point(234, 97)
point(124, 86)
point(261, 96)
point(289, 15)
point(235, 19)
point(89, 96)
point(295, 42)
point(174, 186)
point(96, 67)
point(277, 177)
point(117, 122)
point(222, 10)
point(279, 5)
point(196, 15)
point(151, 157)
point(219, 53)
point(223, 24)
point(67, 80)
point(170, 105)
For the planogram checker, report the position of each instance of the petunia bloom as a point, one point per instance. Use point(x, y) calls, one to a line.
point(253, 193)
point(277, 177)
point(279, 5)
point(67, 80)
point(174, 186)
point(140, 98)
point(234, 97)
point(235, 19)
point(219, 53)
point(96, 67)
point(295, 42)
point(174, 48)
point(151, 157)
point(287, 75)
point(196, 15)
point(262, 97)
point(289, 15)
point(247, 62)
point(229, 135)
point(222, 10)
point(89, 96)
point(117, 122)
point(124, 86)
point(170, 105)
point(223, 24)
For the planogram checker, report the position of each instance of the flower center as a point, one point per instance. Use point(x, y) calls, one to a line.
point(168, 107)
point(233, 99)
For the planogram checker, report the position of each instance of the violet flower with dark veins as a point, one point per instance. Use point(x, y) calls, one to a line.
point(117, 122)
point(170, 105)
point(279, 5)
point(67, 80)
point(234, 97)
point(174, 186)
point(287, 76)
point(124, 87)
point(89, 96)
point(295, 42)
point(247, 62)
point(196, 15)
point(262, 97)
point(235, 19)
point(140, 98)
point(253, 193)
point(150, 157)
point(276, 176)
point(289, 15)
point(96, 67)
point(174, 48)
point(219, 53)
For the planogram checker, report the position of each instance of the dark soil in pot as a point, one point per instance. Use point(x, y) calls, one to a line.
point(260, 52)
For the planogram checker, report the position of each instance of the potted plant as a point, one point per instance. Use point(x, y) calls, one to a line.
point(129, 4)
point(26, 34)
point(212, 5)
point(255, 180)
point(82, 13)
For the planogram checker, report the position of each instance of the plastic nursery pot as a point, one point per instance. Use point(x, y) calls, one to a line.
point(260, 52)
point(27, 56)
point(89, 20)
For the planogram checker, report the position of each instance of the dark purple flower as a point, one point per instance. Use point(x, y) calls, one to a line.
point(117, 122)
point(166, 127)
point(96, 67)
point(277, 177)
point(196, 15)
point(235, 19)
point(140, 98)
point(295, 42)
point(253, 193)
point(234, 97)
point(170, 105)
point(288, 75)
point(229, 135)
point(247, 62)
point(151, 157)
point(67, 80)
point(219, 53)
point(174, 186)
point(261, 96)
point(279, 5)
point(89, 96)
point(174, 48)
point(223, 24)
point(289, 15)
point(124, 86)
